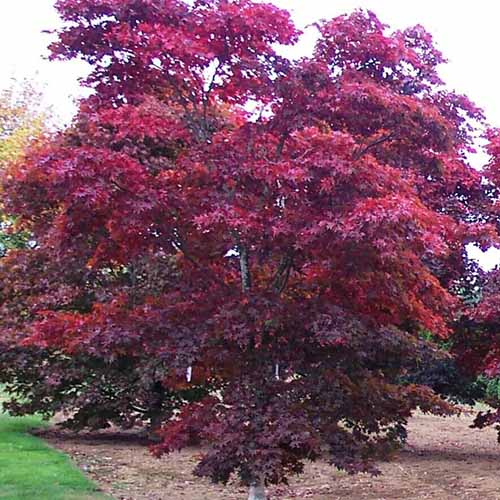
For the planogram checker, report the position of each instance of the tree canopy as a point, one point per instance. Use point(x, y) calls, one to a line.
point(302, 222)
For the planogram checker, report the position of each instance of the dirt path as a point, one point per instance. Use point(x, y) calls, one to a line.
point(444, 460)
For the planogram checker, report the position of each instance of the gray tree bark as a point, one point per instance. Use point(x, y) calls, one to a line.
point(257, 492)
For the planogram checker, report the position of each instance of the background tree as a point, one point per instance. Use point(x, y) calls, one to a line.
point(23, 120)
point(311, 239)
point(476, 340)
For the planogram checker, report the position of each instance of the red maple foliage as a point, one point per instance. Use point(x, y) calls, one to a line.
point(314, 213)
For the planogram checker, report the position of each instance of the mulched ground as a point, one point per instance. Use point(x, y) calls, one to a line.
point(444, 460)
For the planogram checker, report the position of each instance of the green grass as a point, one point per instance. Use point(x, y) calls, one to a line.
point(31, 470)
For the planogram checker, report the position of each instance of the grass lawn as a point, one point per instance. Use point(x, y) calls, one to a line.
point(31, 470)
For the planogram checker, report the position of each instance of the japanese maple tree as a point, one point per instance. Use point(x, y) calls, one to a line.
point(314, 214)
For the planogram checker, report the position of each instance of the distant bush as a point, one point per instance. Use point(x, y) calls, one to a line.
point(450, 382)
point(439, 370)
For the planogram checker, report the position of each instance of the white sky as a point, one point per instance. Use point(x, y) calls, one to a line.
point(466, 32)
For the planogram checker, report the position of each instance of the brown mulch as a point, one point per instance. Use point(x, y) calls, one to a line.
point(443, 460)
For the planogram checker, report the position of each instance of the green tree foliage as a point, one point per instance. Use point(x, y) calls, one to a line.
point(23, 120)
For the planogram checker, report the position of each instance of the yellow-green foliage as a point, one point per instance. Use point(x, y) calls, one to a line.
point(22, 119)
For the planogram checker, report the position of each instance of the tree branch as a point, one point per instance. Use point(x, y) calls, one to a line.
point(246, 280)
point(180, 245)
point(281, 144)
point(357, 156)
point(283, 273)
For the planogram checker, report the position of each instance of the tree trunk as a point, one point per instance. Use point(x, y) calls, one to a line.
point(257, 492)
point(246, 280)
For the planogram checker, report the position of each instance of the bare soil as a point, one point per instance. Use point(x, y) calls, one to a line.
point(443, 460)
